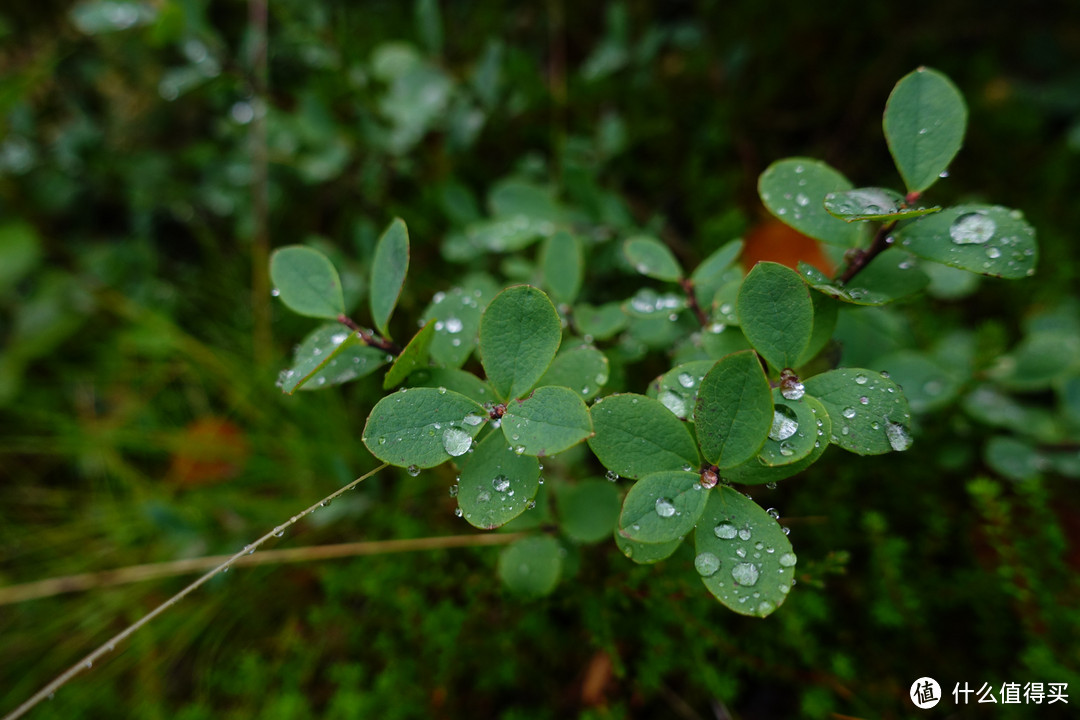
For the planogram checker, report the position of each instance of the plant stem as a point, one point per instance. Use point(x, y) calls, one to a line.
point(369, 337)
point(110, 644)
point(861, 258)
point(691, 300)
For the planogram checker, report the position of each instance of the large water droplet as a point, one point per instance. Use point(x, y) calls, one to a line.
point(413, 470)
point(726, 531)
point(899, 438)
point(792, 391)
point(784, 424)
point(473, 419)
point(456, 442)
point(453, 325)
point(848, 412)
point(860, 379)
point(611, 475)
point(745, 573)
point(686, 380)
point(673, 402)
point(664, 507)
point(500, 483)
point(707, 564)
point(972, 229)
point(744, 533)
point(787, 559)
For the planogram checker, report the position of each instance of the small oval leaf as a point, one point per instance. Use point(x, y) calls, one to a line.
point(984, 239)
point(677, 389)
point(519, 335)
point(794, 191)
point(422, 427)
point(743, 556)
point(599, 323)
point(531, 566)
point(734, 410)
point(925, 119)
point(793, 434)
point(754, 472)
point(583, 369)
point(331, 355)
point(457, 320)
point(646, 553)
point(776, 313)
point(547, 422)
point(453, 379)
point(388, 268)
point(869, 412)
point(589, 510)
point(414, 356)
point(496, 484)
point(636, 436)
point(307, 282)
point(562, 262)
point(662, 507)
point(652, 258)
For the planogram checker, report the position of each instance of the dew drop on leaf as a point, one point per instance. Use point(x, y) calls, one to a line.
point(413, 470)
point(745, 573)
point(725, 531)
point(707, 564)
point(972, 229)
point(664, 507)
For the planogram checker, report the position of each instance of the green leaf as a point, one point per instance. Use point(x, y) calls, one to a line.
point(388, 268)
point(646, 553)
point(599, 323)
point(743, 556)
point(453, 379)
point(755, 472)
point(582, 369)
point(307, 282)
point(422, 427)
point(927, 385)
point(925, 119)
point(457, 320)
point(662, 507)
point(677, 389)
point(331, 355)
point(563, 263)
point(1040, 359)
point(719, 340)
point(710, 274)
point(794, 190)
point(519, 335)
point(652, 258)
point(793, 434)
point(734, 410)
point(20, 252)
point(826, 311)
point(872, 203)
point(776, 313)
point(1015, 459)
point(496, 485)
point(636, 436)
point(724, 306)
point(547, 422)
point(985, 239)
point(589, 510)
point(647, 303)
point(522, 199)
point(889, 277)
point(869, 412)
point(531, 566)
point(414, 356)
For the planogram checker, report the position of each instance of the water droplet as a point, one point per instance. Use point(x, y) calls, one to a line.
point(483, 496)
point(745, 574)
point(686, 380)
point(664, 507)
point(802, 200)
point(673, 402)
point(787, 559)
point(787, 530)
point(500, 483)
point(725, 531)
point(792, 391)
point(848, 412)
point(473, 419)
point(519, 449)
point(453, 325)
point(765, 607)
point(707, 564)
point(279, 533)
point(744, 533)
point(456, 442)
point(784, 424)
point(454, 490)
point(611, 475)
point(773, 513)
point(382, 440)
point(864, 400)
point(458, 511)
point(787, 449)
point(275, 292)
point(413, 470)
point(972, 229)
point(741, 552)
point(860, 379)
point(899, 438)
point(993, 253)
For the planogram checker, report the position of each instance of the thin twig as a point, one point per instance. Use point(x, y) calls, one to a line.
point(138, 573)
point(111, 643)
point(691, 301)
point(861, 258)
point(368, 337)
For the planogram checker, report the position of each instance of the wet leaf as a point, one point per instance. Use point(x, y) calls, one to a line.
point(547, 422)
point(776, 313)
point(519, 336)
point(599, 323)
point(826, 311)
point(582, 369)
point(869, 412)
point(984, 239)
point(652, 258)
point(496, 484)
point(412, 357)
point(754, 472)
point(457, 321)
point(646, 553)
point(307, 282)
point(794, 190)
point(677, 389)
point(417, 425)
point(734, 410)
point(388, 268)
point(331, 355)
point(453, 379)
point(531, 566)
point(742, 554)
point(925, 119)
point(636, 436)
point(889, 277)
point(793, 434)
point(662, 507)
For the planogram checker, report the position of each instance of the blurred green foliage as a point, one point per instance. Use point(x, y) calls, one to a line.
point(137, 426)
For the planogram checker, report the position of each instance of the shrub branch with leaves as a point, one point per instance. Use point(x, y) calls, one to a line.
point(750, 398)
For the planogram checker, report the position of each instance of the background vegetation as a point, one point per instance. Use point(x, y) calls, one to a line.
point(139, 422)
